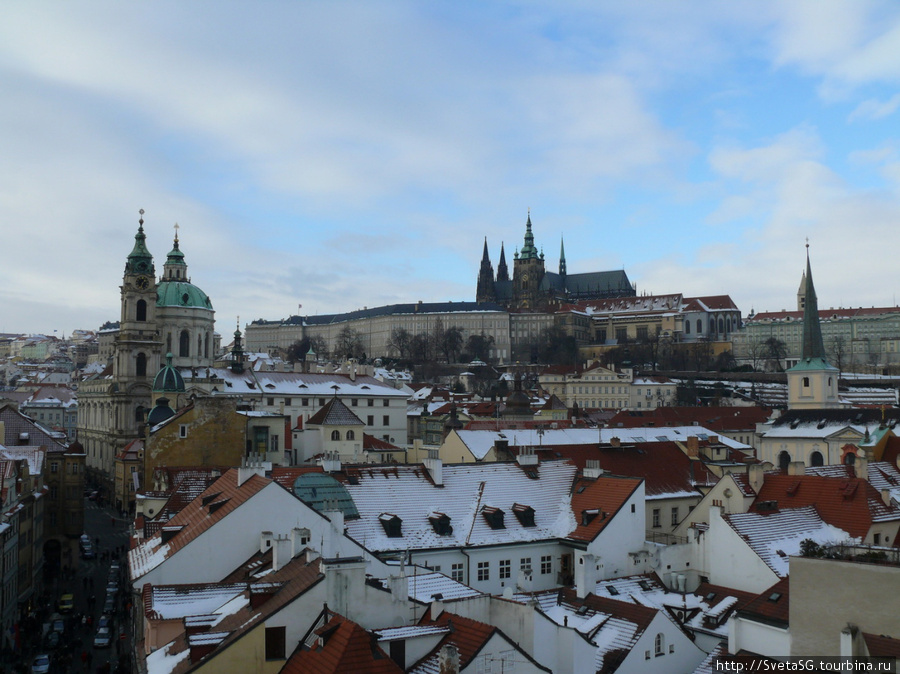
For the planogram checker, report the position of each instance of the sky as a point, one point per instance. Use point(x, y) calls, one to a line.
point(322, 157)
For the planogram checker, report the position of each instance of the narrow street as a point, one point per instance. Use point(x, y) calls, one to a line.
point(92, 586)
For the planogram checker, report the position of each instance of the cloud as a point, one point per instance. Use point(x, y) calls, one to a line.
point(873, 108)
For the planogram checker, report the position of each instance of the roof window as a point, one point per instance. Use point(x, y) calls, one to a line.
point(392, 525)
point(613, 590)
point(440, 523)
point(524, 513)
point(775, 596)
point(494, 517)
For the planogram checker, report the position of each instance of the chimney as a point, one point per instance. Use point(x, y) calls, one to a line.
point(861, 466)
point(615, 442)
point(265, 541)
point(592, 469)
point(281, 552)
point(587, 573)
point(756, 475)
point(796, 468)
point(345, 580)
point(435, 467)
point(331, 462)
point(448, 659)
point(693, 446)
point(527, 457)
point(886, 497)
point(714, 439)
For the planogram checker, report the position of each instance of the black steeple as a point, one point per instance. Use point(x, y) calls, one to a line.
point(502, 269)
point(813, 346)
point(484, 291)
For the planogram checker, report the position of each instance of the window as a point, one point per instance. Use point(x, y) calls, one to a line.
point(141, 365)
point(386, 420)
point(675, 516)
point(525, 565)
point(270, 402)
point(351, 435)
point(456, 573)
point(386, 402)
point(182, 431)
point(484, 571)
point(335, 435)
point(354, 402)
point(656, 518)
point(659, 645)
point(54, 466)
point(370, 420)
point(505, 566)
point(141, 311)
point(184, 344)
point(73, 468)
point(370, 402)
point(546, 564)
point(287, 402)
point(275, 640)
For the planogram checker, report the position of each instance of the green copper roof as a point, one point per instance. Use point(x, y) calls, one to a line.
point(168, 379)
point(140, 261)
point(181, 294)
point(175, 255)
point(529, 250)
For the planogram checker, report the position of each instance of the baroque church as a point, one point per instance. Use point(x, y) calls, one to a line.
point(533, 288)
point(159, 316)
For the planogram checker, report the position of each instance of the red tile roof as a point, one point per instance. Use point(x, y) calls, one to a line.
point(663, 466)
point(881, 646)
point(347, 648)
point(772, 605)
point(606, 495)
point(719, 419)
point(850, 504)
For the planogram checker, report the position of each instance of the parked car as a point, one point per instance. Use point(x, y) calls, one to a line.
point(109, 605)
point(66, 603)
point(105, 621)
point(40, 664)
point(112, 588)
point(102, 638)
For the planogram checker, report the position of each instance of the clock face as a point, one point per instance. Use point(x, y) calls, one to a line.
point(524, 278)
point(142, 282)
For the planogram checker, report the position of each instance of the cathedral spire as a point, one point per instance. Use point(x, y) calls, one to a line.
point(562, 257)
point(528, 250)
point(502, 269)
point(485, 291)
point(175, 268)
point(812, 346)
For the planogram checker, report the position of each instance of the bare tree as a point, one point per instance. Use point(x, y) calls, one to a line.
point(775, 352)
point(838, 350)
point(400, 341)
point(756, 352)
point(349, 344)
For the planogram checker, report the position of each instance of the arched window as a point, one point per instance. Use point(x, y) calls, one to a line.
point(728, 325)
point(659, 644)
point(141, 310)
point(687, 327)
point(849, 459)
point(721, 325)
point(141, 366)
point(783, 460)
point(335, 435)
point(351, 435)
point(699, 326)
point(806, 382)
point(815, 459)
point(829, 381)
point(712, 325)
point(184, 344)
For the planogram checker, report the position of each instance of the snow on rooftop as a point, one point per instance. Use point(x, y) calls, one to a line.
point(160, 662)
point(406, 491)
point(776, 536)
point(394, 633)
point(176, 601)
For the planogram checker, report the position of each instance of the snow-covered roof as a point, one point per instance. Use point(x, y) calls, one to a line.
point(480, 442)
point(408, 493)
point(776, 536)
point(171, 602)
point(423, 587)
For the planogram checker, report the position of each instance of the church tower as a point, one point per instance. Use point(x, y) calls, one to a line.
point(528, 271)
point(137, 345)
point(485, 291)
point(813, 382)
point(502, 269)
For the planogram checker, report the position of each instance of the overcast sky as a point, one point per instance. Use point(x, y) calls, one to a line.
point(348, 154)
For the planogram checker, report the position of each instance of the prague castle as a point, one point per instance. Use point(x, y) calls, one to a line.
point(534, 288)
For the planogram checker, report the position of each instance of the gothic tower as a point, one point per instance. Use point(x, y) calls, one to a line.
point(485, 291)
point(528, 271)
point(813, 382)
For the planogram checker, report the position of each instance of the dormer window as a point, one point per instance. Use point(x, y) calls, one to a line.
point(524, 513)
point(494, 517)
point(441, 524)
point(392, 525)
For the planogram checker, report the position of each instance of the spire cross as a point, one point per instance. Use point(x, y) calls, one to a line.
point(176, 231)
point(141, 220)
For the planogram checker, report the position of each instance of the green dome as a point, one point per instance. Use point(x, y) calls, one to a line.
point(168, 379)
point(181, 294)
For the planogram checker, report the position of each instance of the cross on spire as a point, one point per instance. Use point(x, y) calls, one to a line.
point(177, 227)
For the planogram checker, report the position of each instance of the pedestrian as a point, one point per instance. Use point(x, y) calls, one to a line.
point(84, 657)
